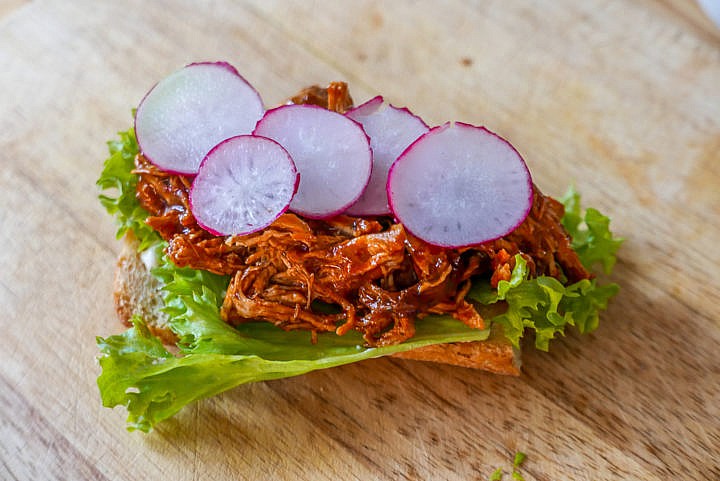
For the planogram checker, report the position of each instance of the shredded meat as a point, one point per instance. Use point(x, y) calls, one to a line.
point(348, 273)
point(335, 97)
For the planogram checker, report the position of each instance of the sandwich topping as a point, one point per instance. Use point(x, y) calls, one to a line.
point(349, 273)
point(267, 269)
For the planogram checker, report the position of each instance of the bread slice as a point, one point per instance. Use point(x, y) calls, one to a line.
point(138, 292)
point(495, 354)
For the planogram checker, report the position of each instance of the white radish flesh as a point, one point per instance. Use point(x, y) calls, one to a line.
point(460, 185)
point(192, 110)
point(331, 152)
point(243, 185)
point(391, 130)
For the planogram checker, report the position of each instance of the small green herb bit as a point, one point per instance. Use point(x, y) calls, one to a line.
point(519, 459)
point(496, 475)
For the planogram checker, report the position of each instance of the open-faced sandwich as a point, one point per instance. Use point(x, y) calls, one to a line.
point(261, 244)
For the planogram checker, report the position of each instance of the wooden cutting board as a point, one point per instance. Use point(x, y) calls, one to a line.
point(621, 98)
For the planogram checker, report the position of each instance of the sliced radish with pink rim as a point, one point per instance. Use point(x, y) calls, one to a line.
point(460, 185)
point(391, 130)
point(192, 110)
point(243, 185)
point(331, 152)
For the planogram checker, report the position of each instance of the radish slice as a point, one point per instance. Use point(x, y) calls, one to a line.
point(332, 154)
point(243, 185)
point(191, 111)
point(391, 130)
point(460, 185)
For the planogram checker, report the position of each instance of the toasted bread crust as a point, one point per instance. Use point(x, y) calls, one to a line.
point(136, 291)
point(496, 354)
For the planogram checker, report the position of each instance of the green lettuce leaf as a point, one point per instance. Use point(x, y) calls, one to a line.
point(590, 232)
point(543, 304)
point(117, 175)
point(140, 374)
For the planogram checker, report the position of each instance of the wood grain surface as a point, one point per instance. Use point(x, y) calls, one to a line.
point(621, 98)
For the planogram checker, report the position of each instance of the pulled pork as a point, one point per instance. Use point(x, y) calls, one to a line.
point(348, 273)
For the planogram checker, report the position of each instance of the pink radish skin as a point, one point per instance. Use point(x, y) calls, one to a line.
point(189, 112)
point(459, 185)
point(391, 130)
point(331, 152)
point(243, 185)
